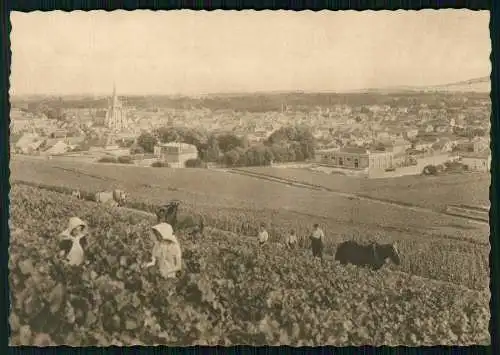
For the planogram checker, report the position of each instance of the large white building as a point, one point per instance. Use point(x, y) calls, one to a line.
point(477, 161)
point(116, 116)
point(175, 154)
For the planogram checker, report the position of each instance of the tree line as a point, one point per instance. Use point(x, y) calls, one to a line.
point(287, 144)
point(264, 102)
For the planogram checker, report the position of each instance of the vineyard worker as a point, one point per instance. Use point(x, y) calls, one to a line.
point(72, 238)
point(166, 251)
point(291, 240)
point(263, 235)
point(317, 239)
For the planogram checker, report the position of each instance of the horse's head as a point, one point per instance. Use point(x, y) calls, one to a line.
point(174, 203)
point(389, 252)
point(168, 211)
point(172, 207)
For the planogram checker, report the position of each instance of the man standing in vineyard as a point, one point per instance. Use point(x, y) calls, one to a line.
point(317, 239)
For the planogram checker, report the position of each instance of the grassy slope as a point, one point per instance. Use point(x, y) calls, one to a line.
point(430, 192)
point(232, 192)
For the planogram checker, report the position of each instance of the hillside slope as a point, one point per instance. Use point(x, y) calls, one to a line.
point(230, 292)
point(476, 85)
point(434, 246)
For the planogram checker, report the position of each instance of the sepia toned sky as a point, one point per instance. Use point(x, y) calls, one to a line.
point(192, 52)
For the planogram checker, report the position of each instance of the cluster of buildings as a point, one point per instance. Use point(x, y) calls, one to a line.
point(418, 137)
point(407, 157)
point(359, 138)
point(36, 134)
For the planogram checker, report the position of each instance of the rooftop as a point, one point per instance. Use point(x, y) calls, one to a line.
point(176, 145)
point(485, 154)
point(183, 147)
point(355, 150)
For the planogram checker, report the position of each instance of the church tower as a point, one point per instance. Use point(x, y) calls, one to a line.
point(116, 117)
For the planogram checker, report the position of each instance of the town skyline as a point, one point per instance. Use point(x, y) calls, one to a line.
point(315, 52)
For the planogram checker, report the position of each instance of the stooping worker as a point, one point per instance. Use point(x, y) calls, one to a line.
point(166, 253)
point(263, 235)
point(73, 241)
point(291, 240)
point(317, 239)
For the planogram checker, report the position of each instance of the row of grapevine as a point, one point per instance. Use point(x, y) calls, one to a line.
point(454, 261)
point(229, 292)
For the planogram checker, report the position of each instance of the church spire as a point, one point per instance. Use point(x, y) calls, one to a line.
point(114, 98)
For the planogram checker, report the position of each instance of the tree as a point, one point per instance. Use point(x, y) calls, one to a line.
point(137, 150)
point(160, 164)
point(212, 150)
point(168, 134)
point(147, 142)
point(125, 143)
point(229, 141)
point(299, 154)
point(231, 158)
point(195, 163)
point(54, 113)
point(430, 170)
point(380, 147)
point(125, 159)
point(365, 110)
point(298, 142)
point(280, 153)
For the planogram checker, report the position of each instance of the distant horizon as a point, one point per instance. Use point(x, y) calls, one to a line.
point(403, 88)
point(191, 53)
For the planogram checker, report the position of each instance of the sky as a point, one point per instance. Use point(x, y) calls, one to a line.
point(199, 52)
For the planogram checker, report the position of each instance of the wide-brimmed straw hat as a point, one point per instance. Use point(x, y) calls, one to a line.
point(74, 222)
point(166, 232)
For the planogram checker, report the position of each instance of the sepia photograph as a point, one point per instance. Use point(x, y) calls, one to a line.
point(251, 178)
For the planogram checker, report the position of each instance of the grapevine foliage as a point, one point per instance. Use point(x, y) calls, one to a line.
point(229, 292)
point(462, 259)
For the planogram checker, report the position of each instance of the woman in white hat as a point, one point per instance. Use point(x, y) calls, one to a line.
point(72, 240)
point(166, 251)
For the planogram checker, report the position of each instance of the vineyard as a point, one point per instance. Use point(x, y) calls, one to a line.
point(454, 260)
point(279, 205)
point(230, 292)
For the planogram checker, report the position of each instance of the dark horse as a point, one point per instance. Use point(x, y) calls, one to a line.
point(374, 255)
point(168, 213)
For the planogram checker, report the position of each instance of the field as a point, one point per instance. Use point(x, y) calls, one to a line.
point(424, 191)
point(434, 246)
point(230, 291)
point(231, 192)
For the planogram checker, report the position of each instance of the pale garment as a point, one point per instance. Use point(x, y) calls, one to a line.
point(76, 254)
point(168, 258)
point(263, 237)
point(292, 238)
point(167, 253)
point(318, 234)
